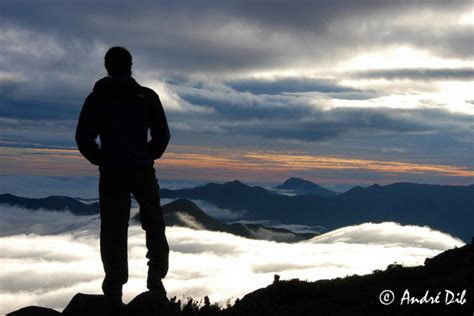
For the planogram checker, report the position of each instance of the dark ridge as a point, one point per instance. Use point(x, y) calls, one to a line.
point(185, 213)
point(180, 212)
point(442, 207)
point(51, 203)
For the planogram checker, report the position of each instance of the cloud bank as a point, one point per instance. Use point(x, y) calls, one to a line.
point(43, 269)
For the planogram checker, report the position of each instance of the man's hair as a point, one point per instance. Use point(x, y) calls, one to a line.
point(118, 61)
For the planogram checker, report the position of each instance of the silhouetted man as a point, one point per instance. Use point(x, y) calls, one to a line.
point(121, 112)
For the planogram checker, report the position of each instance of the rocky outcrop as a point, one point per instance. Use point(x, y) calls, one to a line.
point(145, 304)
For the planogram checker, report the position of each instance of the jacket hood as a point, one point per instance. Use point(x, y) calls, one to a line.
point(118, 84)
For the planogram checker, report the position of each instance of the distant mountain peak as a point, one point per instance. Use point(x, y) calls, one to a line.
point(181, 202)
point(300, 181)
point(302, 186)
point(236, 183)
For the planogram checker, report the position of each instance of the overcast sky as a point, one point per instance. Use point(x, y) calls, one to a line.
point(339, 92)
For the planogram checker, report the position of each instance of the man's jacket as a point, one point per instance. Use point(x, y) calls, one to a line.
point(121, 112)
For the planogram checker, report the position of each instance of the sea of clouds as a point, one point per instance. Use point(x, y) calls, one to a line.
point(47, 257)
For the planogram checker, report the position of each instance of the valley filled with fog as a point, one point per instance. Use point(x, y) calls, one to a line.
point(47, 257)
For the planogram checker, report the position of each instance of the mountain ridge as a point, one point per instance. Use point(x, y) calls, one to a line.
point(406, 203)
point(52, 203)
point(181, 212)
point(446, 208)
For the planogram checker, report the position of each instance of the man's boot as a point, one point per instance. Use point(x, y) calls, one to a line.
point(113, 295)
point(154, 282)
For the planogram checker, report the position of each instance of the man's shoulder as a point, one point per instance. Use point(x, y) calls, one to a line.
point(148, 93)
point(92, 97)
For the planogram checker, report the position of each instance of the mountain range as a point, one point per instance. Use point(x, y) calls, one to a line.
point(181, 212)
point(443, 207)
point(185, 213)
point(51, 203)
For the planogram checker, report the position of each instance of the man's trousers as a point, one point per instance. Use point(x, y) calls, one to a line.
point(115, 189)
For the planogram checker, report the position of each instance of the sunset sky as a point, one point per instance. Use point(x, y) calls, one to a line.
point(338, 92)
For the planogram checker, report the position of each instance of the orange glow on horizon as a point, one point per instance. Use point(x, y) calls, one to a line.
point(306, 162)
point(209, 163)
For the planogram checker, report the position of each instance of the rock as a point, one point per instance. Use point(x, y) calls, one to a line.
point(34, 311)
point(86, 304)
point(151, 303)
point(276, 278)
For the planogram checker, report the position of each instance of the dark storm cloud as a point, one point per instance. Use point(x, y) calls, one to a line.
point(311, 15)
point(448, 40)
point(43, 75)
point(237, 35)
point(249, 106)
point(56, 48)
point(417, 74)
point(53, 51)
point(283, 117)
point(278, 86)
point(299, 86)
point(324, 125)
point(37, 109)
point(44, 133)
point(287, 117)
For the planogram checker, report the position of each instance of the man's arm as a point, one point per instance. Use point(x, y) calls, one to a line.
point(160, 133)
point(87, 131)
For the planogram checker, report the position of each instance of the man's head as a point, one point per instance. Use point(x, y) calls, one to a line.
point(118, 61)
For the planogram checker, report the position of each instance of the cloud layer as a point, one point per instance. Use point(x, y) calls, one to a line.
point(43, 269)
point(337, 78)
